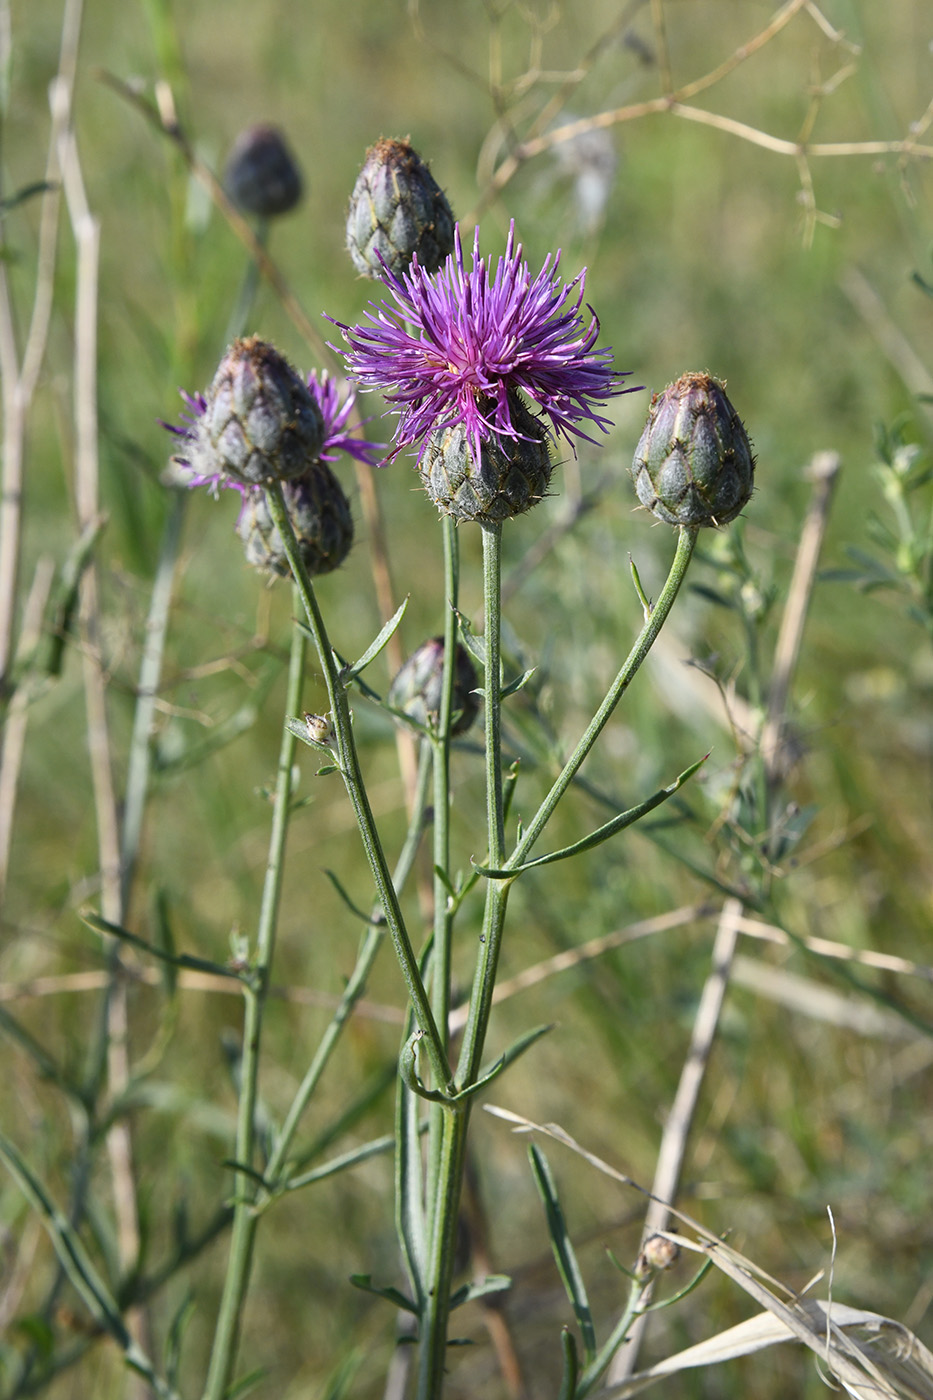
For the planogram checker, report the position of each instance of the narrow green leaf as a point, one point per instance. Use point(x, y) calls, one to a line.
point(249, 1382)
point(563, 1249)
point(101, 925)
point(376, 1148)
point(392, 1295)
point(515, 686)
point(568, 1384)
point(476, 646)
point(602, 833)
point(372, 651)
point(509, 1057)
point(354, 909)
point(492, 1283)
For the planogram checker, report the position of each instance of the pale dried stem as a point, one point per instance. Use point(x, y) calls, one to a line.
point(680, 1119)
point(79, 982)
point(17, 720)
point(18, 384)
point(86, 467)
point(823, 471)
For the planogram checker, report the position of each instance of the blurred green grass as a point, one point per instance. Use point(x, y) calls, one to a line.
point(700, 263)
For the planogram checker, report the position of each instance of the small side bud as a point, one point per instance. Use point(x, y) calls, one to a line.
point(260, 422)
point(397, 209)
point(320, 516)
point(416, 689)
point(657, 1254)
point(511, 476)
point(694, 464)
point(261, 176)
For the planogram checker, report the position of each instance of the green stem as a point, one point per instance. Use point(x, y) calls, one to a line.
point(455, 1121)
point(443, 912)
point(352, 992)
point(349, 764)
point(686, 540)
point(236, 1281)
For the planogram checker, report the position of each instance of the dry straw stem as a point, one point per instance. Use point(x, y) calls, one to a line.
point(86, 231)
point(891, 1365)
point(673, 1147)
point(675, 102)
point(823, 471)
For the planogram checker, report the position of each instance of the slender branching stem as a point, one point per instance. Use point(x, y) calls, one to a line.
point(349, 764)
point(654, 621)
point(443, 912)
point(236, 1281)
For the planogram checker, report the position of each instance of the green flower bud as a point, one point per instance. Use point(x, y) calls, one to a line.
point(511, 476)
point(694, 464)
point(320, 516)
point(260, 422)
point(261, 176)
point(397, 209)
point(416, 689)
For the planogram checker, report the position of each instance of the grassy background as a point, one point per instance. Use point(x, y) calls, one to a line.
point(702, 261)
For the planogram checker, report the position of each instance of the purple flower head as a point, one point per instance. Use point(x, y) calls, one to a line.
point(336, 414)
point(454, 343)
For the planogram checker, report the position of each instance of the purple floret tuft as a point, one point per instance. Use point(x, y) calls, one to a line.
point(449, 346)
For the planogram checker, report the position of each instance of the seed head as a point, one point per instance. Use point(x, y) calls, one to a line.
point(397, 211)
point(416, 689)
point(694, 464)
point(261, 175)
point(320, 516)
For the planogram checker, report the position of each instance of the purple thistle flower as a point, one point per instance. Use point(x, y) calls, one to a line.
point(326, 393)
point(456, 343)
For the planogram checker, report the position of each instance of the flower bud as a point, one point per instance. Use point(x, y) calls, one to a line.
point(416, 689)
point(261, 176)
point(260, 421)
point(397, 209)
point(657, 1253)
point(511, 476)
point(320, 516)
point(694, 463)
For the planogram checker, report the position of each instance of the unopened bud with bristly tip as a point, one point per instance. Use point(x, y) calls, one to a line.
point(261, 176)
point(416, 690)
point(694, 464)
point(320, 516)
point(260, 423)
point(397, 209)
point(510, 476)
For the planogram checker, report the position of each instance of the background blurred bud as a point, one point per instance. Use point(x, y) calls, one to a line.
point(694, 464)
point(589, 159)
point(657, 1253)
point(261, 176)
point(416, 689)
point(260, 422)
point(320, 516)
point(397, 209)
point(511, 476)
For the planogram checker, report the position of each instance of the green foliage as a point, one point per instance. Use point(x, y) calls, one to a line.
point(803, 282)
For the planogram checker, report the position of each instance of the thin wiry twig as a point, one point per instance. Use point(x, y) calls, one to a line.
point(675, 103)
